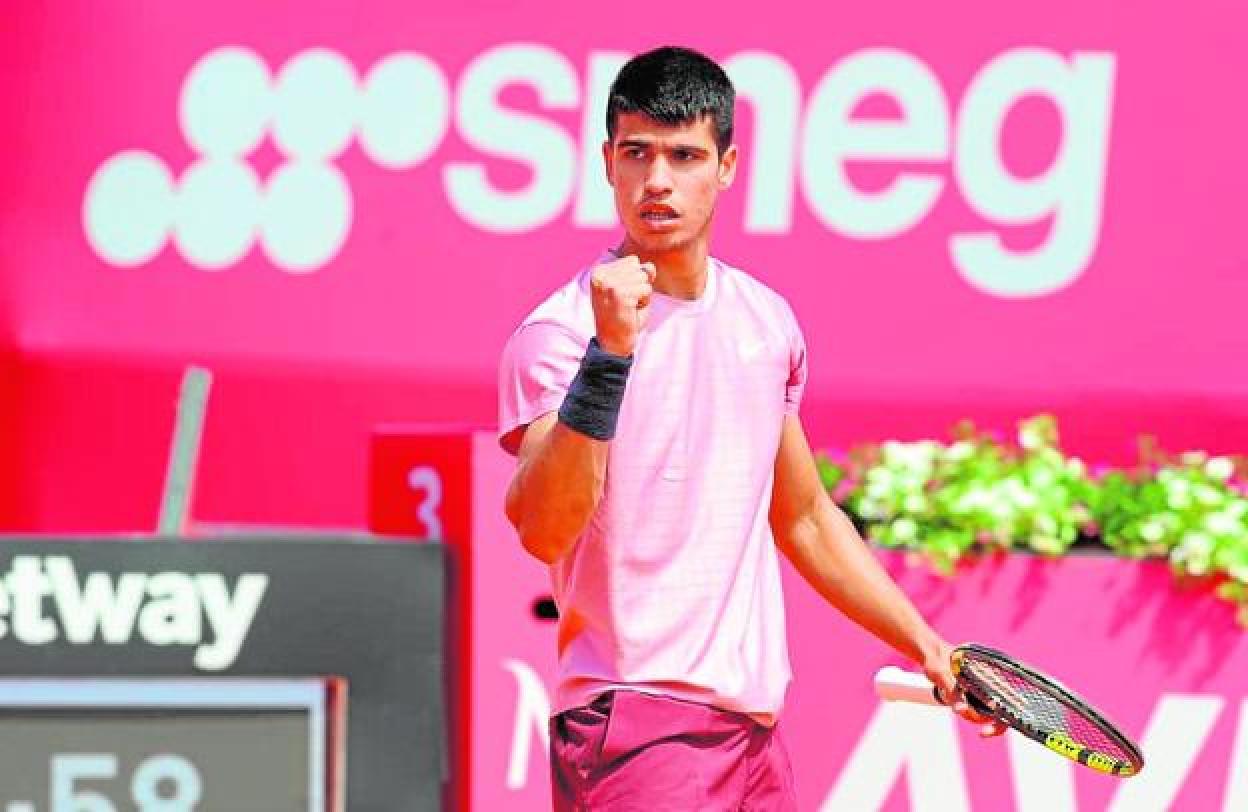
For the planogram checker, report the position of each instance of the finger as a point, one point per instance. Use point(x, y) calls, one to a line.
point(975, 717)
point(969, 712)
point(651, 271)
point(637, 291)
point(991, 729)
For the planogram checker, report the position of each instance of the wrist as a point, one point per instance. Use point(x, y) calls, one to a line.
point(592, 405)
point(611, 347)
point(931, 651)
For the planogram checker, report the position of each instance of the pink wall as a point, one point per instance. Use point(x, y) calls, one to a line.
point(1164, 660)
point(346, 236)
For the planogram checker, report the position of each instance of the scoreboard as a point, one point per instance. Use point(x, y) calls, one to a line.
point(164, 745)
point(280, 673)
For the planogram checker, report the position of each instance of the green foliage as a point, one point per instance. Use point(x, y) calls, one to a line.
point(979, 493)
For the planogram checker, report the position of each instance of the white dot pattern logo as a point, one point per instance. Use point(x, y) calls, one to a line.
point(129, 208)
point(315, 102)
point(305, 215)
point(230, 102)
point(226, 103)
point(217, 212)
point(405, 110)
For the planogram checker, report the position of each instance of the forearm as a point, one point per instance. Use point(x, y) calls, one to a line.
point(556, 490)
point(826, 549)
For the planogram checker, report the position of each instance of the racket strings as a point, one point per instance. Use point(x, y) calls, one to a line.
point(1036, 706)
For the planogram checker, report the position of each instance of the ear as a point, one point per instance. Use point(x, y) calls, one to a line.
point(608, 162)
point(728, 166)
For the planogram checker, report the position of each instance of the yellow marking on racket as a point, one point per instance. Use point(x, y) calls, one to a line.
point(1102, 763)
point(1061, 743)
point(1066, 746)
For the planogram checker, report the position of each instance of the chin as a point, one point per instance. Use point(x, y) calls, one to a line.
point(660, 243)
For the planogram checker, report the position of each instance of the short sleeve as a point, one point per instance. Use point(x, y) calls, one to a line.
point(796, 384)
point(535, 371)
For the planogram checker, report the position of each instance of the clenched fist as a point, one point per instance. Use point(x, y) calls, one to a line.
point(620, 291)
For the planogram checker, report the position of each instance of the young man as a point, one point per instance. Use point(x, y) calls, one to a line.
point(653, 404)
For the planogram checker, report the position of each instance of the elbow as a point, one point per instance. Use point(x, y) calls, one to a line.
point(549, 535)
point(540, 547)
point(546, 545)
point(548, 526)
point(796, 535)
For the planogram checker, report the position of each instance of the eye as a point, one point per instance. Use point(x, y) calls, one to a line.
point(685, 155)
point(634, 152)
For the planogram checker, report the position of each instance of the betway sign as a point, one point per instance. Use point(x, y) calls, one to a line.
point(44, 599)
point(807, 139)
point(920, 746)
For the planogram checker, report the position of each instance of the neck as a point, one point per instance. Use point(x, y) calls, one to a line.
point(680, 273)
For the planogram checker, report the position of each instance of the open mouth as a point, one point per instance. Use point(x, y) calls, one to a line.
point(658, 214)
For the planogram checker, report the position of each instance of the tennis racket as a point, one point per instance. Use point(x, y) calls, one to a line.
point(1032, 703)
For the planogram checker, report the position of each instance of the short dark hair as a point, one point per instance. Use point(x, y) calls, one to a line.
point(674, 86)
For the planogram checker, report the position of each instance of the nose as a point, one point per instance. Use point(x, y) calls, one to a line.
point(658, 177)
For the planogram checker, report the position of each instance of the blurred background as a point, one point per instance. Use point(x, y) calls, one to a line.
point(1012, 235)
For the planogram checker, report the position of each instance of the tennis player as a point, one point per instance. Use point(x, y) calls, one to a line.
point(653, 405)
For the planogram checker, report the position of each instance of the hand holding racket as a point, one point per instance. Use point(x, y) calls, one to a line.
point(1032, 703)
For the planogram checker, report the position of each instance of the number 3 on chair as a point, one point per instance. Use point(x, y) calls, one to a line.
point(426, 481)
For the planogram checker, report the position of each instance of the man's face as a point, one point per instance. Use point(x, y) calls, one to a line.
point(666, 179)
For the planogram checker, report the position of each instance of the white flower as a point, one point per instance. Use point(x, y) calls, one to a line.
point(880, 476)
point(1043, 478)
point(1019, 494)
point(959, 451)
point(905, 529)
point(1220, 468)
point(869, 509)
point(1001, 512)
point(1179, 498)
point(877, 491)
point(975, 499)
point(1198, 566)
point(910, 455)
point(1208, 495)
point(1196, 543)
point(1173, 483)
point(1152, 531)
point(1223, 523)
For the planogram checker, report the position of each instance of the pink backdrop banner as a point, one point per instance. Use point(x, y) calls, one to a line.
point(343, 209)
point(1166, 662)
point(1163, 660)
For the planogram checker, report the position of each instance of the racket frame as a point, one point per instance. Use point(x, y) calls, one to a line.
point(1056, 741)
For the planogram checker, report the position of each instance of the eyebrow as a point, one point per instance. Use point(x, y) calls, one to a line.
point(636, 142)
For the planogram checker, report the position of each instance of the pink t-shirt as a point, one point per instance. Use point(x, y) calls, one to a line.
point(674, 586)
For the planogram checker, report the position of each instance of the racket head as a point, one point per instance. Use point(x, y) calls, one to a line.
point(1044, 710)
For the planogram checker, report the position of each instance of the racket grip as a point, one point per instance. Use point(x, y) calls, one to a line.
point(900, 685)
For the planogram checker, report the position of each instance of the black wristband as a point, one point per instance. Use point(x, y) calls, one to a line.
point(592, 405)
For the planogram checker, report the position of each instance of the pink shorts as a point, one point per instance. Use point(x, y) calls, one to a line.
point(633, 752)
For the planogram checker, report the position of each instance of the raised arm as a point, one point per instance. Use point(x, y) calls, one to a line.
point(563, 456)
